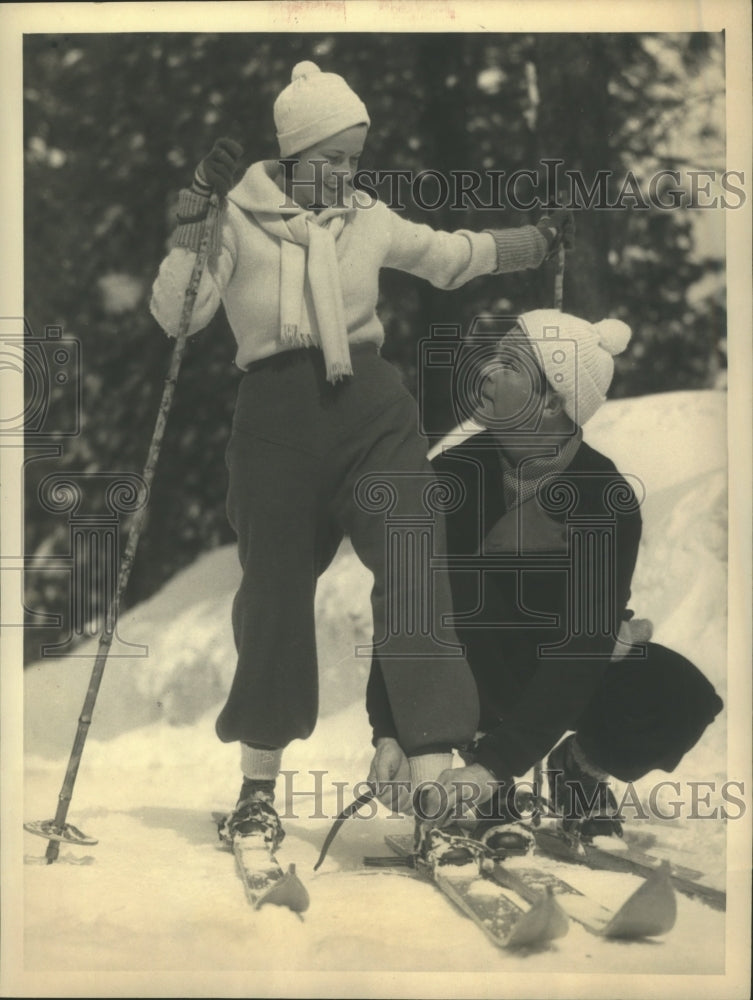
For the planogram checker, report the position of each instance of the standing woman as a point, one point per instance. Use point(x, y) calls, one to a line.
point(295, 260)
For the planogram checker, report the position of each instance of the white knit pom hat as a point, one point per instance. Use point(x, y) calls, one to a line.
point(314, 106)
point(577, 356)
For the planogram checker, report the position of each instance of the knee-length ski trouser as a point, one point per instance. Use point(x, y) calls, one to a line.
point(310, 462)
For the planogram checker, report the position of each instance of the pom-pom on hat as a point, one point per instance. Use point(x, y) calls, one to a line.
point(577, 356)
point(314, 106)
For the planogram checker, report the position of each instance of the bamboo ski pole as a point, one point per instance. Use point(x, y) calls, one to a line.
point(559, 282)
point(532, 120)
point(559, 278)
point(58, 830)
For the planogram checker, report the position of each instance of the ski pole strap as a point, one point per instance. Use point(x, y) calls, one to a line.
point(345, 814)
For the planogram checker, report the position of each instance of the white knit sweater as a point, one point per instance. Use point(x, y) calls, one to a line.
point(245, 275)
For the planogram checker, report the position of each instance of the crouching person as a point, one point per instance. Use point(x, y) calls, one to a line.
point(542, 546)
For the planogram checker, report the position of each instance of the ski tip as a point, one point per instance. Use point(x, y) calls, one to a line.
point(287, 891)
point(651, 910)
point(544, 922)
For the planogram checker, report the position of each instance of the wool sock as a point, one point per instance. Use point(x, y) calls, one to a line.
point(260, 763)
point(428, 766)
point(424, 768)
point(260, 766)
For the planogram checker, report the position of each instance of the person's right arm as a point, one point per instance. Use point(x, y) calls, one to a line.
point(214, 173)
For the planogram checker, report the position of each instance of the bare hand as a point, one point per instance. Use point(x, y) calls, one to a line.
point(391, 772)
point(460, 790)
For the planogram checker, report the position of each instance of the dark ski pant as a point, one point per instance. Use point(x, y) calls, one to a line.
point(647, 713)
point(308, 463)
point(635, 715)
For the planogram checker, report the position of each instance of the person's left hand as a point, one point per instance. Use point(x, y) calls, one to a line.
point(558, 229)
point(462, 788)
point(388, 767)
point(218, 167)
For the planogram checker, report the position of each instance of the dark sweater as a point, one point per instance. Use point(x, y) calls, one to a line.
point(507, 616)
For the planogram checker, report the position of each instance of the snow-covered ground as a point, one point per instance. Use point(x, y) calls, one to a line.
point(155, 908)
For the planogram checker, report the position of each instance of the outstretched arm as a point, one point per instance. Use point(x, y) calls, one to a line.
point(449, 260)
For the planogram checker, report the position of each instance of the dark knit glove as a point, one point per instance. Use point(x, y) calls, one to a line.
point(558, 229)
point(217, 170)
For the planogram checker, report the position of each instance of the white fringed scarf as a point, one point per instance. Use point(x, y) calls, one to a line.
point(307, 256)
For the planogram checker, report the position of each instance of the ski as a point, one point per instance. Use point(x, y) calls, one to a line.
point(624, 858)
point(500, 912)
point(504, 917)
point(258, 870)
point(263, 878)
point(649, 912)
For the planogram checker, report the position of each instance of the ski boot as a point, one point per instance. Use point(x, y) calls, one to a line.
point(437, 846)
point(253, 817)
point(507, 840)
point(580, 794)
point(502, 827)
point(444, 846)
point(253, 832)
